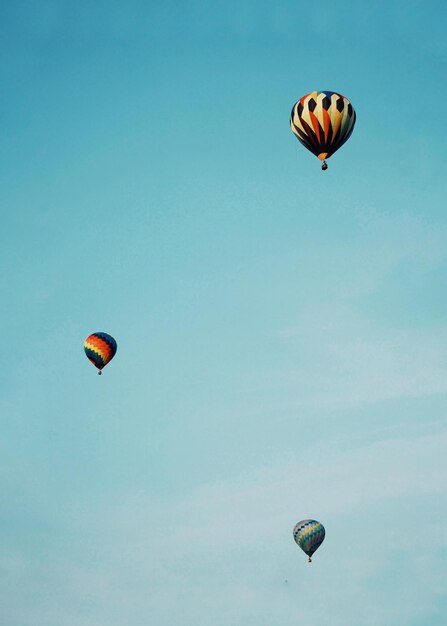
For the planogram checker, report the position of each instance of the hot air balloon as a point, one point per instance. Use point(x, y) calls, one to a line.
point(322, 121)
point(100, 349)
point(309, 535)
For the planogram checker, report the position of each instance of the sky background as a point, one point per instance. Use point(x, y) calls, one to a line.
point(282, 338)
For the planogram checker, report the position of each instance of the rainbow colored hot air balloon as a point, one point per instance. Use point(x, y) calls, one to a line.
point(322, 121)
point(100, 349)
point(309, 535)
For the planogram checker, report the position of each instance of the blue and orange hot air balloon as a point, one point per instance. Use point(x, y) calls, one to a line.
point(100, 349)
point(322, 121)
point(309, 535)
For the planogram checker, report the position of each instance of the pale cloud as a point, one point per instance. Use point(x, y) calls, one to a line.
point(339, 353)
point(222, 553)
point(360, 370)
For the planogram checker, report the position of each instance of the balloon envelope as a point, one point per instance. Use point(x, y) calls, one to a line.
point(100, 349)
point(322, 121)
point(309, 535)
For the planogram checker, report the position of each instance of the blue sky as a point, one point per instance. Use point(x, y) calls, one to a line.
point(281, 331)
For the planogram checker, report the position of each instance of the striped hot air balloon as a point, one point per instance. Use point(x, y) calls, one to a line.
point(322, 121)
point(100, 349)
point(309, 535)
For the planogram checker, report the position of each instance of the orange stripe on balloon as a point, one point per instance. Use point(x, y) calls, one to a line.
point(100, 345)
point(315, 124)
point(304, 98)
point(95, 348)
point(326, 123)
